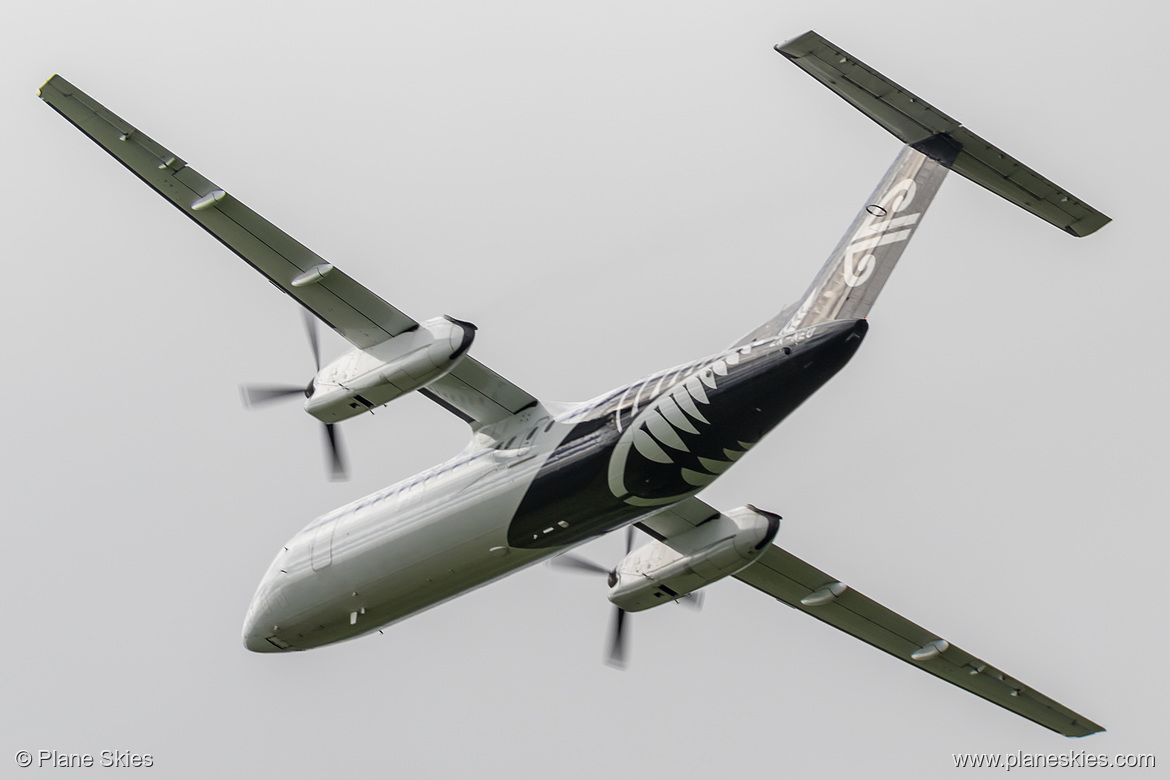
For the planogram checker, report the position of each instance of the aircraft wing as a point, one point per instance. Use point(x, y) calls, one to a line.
point(786, 578)
point(472, 391)
point(359, 315)
point(478, 395)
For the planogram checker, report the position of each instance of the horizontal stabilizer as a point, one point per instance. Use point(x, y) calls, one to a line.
point(930, 131)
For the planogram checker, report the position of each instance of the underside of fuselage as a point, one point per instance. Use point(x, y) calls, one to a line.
point(491, 511)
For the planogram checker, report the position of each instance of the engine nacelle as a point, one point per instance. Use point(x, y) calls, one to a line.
point(661, 572)
point(361, 380)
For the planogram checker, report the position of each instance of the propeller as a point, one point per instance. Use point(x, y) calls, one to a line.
point(618, 640)
point(262, 395)
point(570, 561)
point(337, 469)
point(617, 647)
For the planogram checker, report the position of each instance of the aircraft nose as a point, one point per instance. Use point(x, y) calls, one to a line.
point(252, 639)
point(258, 644)
point(257, 627)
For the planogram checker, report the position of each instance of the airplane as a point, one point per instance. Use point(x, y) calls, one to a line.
point(538, 478)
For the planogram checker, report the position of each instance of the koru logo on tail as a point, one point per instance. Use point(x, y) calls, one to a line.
point(879, 228)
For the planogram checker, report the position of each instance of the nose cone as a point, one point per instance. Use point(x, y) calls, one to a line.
point(253, 639)
point(258, 644)
point(256, 641)
point(259, 633)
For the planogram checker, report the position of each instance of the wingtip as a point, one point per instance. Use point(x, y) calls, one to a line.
point(790, 48)
point(1089, 225)
point(41, 88)
point(1088, 729)
point(58, 83)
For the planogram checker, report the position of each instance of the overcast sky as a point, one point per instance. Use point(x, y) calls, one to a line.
point(605, 189)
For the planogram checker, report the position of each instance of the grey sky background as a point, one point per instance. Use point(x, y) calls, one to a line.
point(605, 189)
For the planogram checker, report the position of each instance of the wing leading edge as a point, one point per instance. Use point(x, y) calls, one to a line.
point(786, 578)
point(473, 392)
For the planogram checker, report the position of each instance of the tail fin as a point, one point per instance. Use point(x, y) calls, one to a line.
point(855, 272)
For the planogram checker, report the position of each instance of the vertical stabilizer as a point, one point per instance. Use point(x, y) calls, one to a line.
point(856, 271)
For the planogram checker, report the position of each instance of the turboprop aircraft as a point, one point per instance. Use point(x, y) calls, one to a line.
point(537, 478)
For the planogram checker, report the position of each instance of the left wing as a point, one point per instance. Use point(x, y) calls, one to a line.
point(792, 581)
point(786, 578)
point(473, 392)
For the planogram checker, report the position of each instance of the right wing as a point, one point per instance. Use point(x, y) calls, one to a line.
point(472, 391)
point(360, 316)
point(786, 578)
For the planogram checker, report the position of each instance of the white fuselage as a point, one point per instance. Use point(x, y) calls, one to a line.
point(401, 550)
